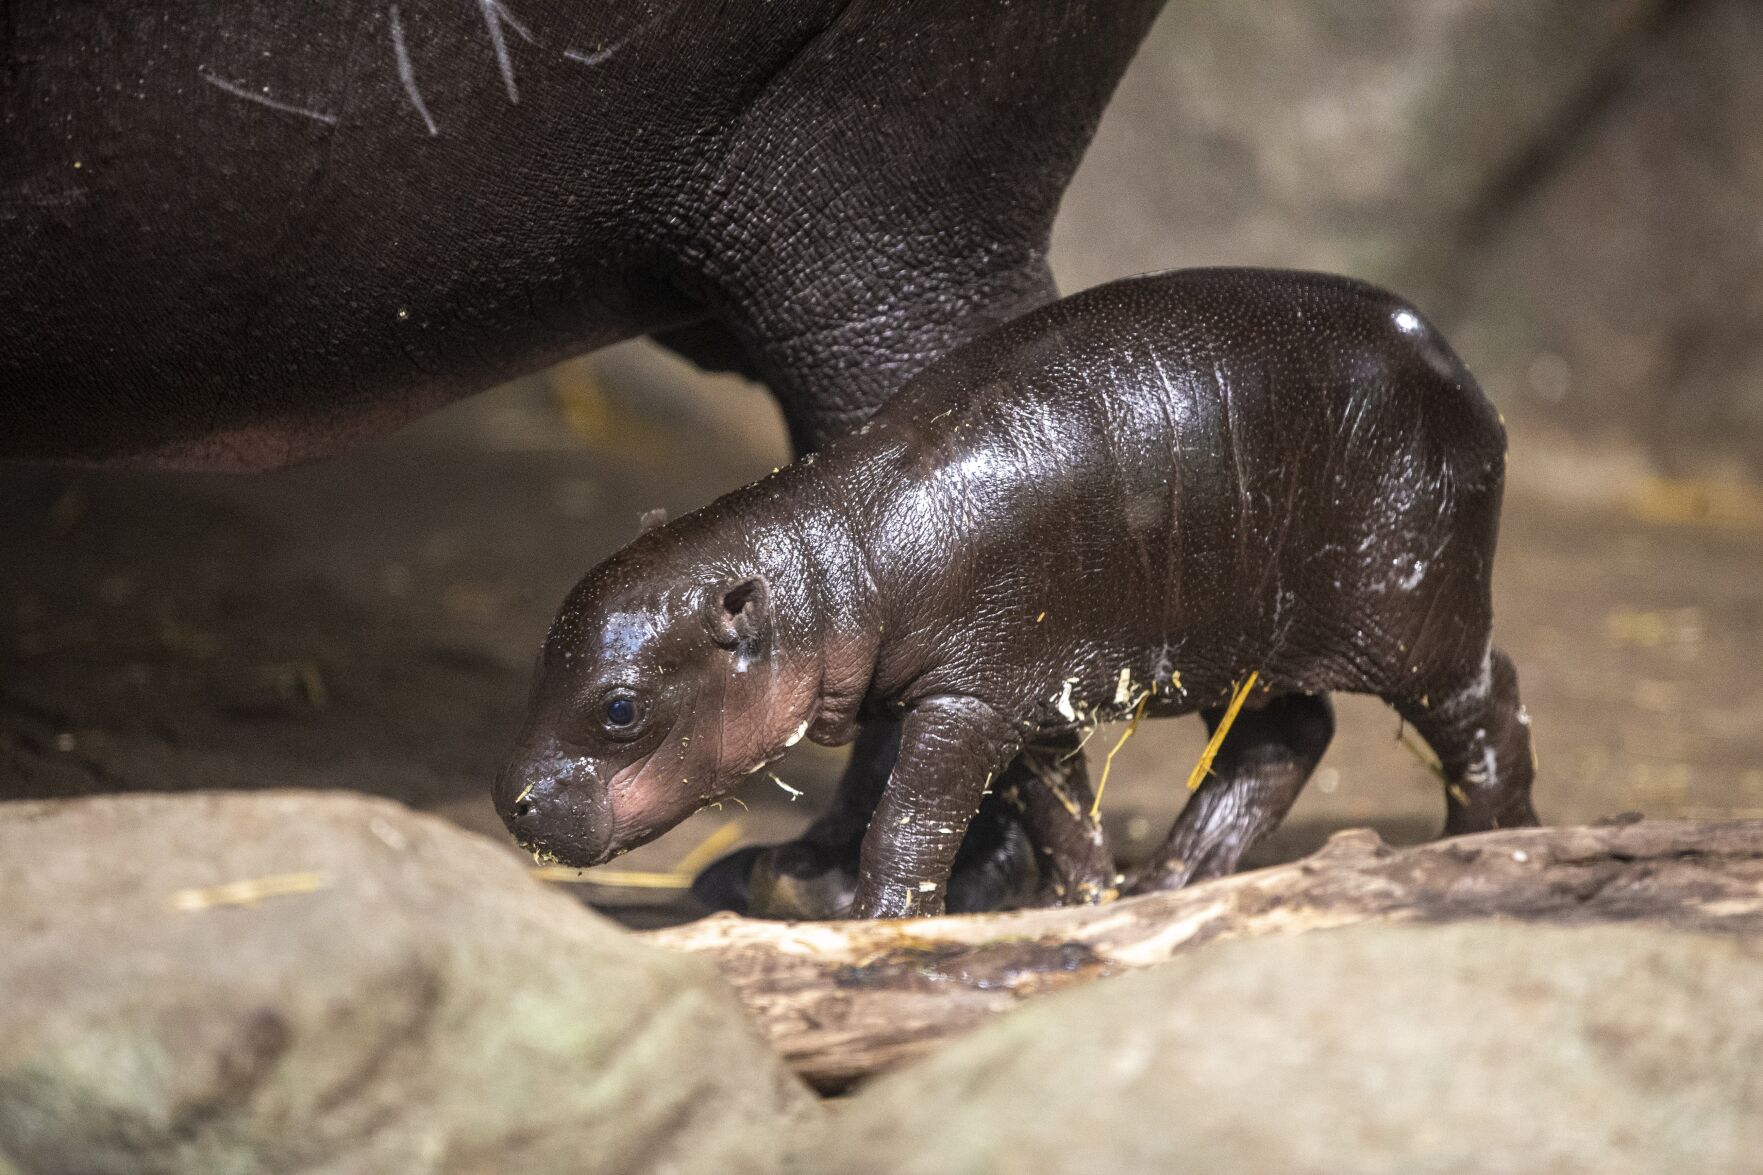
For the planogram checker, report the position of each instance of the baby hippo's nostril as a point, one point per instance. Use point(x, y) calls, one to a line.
point(553, 809)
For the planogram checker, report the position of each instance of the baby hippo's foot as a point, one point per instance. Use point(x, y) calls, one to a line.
point(725, 883)
point(811, 880)
point(798, 879)
point(1048, 785)
point(1081, 891)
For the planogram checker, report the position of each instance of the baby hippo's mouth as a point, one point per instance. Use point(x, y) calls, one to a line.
point(554, 841)
point(558, 816)
point(562, 853)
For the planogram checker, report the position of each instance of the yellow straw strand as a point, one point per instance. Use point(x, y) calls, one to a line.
point(1108, 763)
point(708, 849)
point(1074, 752)
point(679, 877)
point(1204, 767)
point(248, 892)
point(1419, 752)
point(613, 878)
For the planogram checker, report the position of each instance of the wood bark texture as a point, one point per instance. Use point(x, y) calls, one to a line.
point(843, 1000)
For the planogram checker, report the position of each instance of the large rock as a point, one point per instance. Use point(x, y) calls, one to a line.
point(1483, 1047)
point(402, 998)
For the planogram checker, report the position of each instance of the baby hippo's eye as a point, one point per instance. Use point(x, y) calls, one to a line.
point(621, 713)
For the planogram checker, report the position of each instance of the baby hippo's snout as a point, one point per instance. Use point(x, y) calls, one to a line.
point(555, 807)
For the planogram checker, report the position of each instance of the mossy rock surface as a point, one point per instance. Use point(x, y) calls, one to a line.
point(1473, 1048)
point(410, 1001)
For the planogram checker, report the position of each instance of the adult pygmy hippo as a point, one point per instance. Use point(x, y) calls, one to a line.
point(1126, 502)
point(237, 235)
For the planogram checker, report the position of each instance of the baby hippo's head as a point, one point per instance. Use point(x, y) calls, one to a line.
point(661, 685)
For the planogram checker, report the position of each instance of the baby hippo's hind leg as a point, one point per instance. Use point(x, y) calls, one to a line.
point(1481, 734)
point(1261, 767)
point(1049, 785)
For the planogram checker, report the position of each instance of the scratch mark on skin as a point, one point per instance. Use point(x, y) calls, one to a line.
point(594, 58)
point(407, 72)
point(604, 54)
point(1177, 531)
point(1232, 434)
point(262, 99)
point(495, 15)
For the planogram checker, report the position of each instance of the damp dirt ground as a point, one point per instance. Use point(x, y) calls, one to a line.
point(369, 622)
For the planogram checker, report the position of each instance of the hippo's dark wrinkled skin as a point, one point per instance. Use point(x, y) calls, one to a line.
point(234, 235)
point(1141, 494)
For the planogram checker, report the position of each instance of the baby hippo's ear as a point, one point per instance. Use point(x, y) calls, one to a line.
point(738, 612)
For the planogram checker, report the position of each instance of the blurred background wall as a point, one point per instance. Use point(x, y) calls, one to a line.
point(1573, 189)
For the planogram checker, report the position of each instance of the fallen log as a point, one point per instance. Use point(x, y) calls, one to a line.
point(843, 1000)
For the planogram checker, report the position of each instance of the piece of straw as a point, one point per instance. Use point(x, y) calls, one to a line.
point(248, 892)
point(679, 877)
point(1419, 752)
point(722, 837)
point(1108, 763)
point(612, 878)
point(1204, 767)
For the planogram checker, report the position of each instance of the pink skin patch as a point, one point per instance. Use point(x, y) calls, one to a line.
point(258, 448)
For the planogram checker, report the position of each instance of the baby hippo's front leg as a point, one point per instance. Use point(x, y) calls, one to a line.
point(951, 748)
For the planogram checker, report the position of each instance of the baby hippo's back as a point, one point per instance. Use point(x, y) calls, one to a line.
point(1194, 474)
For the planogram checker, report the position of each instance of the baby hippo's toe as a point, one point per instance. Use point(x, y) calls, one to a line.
point(724, 884)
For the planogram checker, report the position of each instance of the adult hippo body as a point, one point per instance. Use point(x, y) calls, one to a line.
point(1154, 497)
point(234, 236)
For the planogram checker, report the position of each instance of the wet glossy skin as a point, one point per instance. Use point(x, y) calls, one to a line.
point(1134, 497)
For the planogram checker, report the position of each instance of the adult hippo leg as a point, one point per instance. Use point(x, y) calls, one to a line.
point(862, 216)
point(1260, 769)
point(1480, 731)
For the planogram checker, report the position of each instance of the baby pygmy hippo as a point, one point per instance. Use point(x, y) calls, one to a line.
point(1131, 502)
